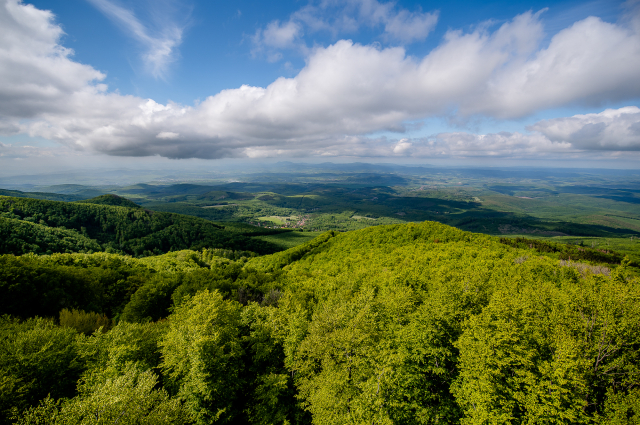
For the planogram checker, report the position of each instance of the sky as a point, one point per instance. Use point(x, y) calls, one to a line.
point(179, 83)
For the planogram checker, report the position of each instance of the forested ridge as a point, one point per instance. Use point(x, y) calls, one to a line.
point(416, 323)
point(110, 199)
point(46, 227)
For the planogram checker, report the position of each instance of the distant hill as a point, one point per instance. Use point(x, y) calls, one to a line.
point(23, 237)
point(83, 191)
point(41, 195)
point(110, 199)
point(40, 226)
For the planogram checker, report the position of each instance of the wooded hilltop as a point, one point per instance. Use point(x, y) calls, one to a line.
point(140, 317)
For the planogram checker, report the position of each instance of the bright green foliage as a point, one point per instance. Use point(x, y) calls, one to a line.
point(202, 356)
point(518, 366)
point(130, 399)
point(84, 322)
point(163, 291)
point(347, 361)
point(379, 346)
point(278, 261)
point(451, 288)
point(404, 324)
point(184, 260)
point(271, 392)
point(37, 358)
point(549, 353)
point(443, 339)
point(622, 408)
point(288, 240)
point(106, 355)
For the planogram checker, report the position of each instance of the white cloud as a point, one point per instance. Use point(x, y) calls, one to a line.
point(37, 74)
point(503, 144)
point(345, 92)
point(444, 145)
point(340, 17)
point(277, 36)
point(402, 146)
point(281, 36)
point(591, 61)
point(612, 129)
point(167, 135)
point(160, 43)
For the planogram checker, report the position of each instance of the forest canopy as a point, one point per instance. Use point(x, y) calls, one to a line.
point(46, 227)
point(416, 323)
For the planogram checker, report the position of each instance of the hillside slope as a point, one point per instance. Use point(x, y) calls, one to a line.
point(424, 323)
point(415, 323)
point(132, 231)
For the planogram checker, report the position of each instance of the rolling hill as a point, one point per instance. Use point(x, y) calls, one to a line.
point(412, 323)
point(40, 226)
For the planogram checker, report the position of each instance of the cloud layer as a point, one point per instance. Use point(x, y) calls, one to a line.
point(613, 129)
point(345, 92)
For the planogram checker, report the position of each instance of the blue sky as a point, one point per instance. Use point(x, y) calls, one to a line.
point(216, 50)
point(104, 81)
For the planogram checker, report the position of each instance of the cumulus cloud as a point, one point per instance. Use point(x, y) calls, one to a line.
point(36, 73)
point(402, 146)
point(159, 42)
point(344, 92)
point(592, 61)
point(612, 129)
